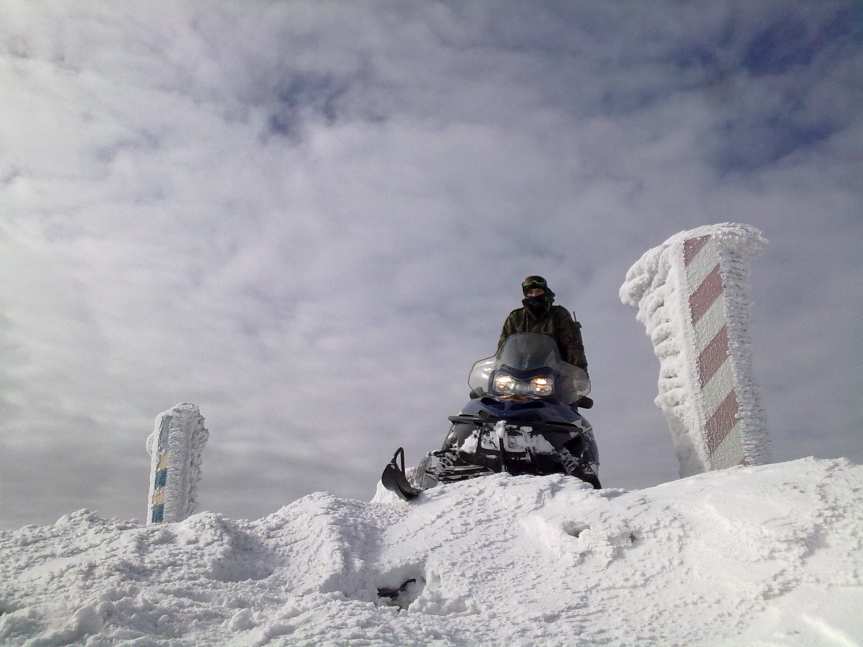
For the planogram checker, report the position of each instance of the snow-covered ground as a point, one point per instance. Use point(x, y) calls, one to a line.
point(767, 555)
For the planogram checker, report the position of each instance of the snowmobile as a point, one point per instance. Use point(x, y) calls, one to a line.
point(522, 418)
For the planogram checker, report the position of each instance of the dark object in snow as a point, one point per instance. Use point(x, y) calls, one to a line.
point(392, 594)
point(522, 418)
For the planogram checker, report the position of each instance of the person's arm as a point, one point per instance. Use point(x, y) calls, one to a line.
point(580, 356)
point(572, 346)
point(507, 330)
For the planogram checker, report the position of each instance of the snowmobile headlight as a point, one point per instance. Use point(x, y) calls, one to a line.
point(504, 384)
point(542, 385)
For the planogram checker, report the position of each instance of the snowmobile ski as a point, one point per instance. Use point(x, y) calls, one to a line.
point(395, 480)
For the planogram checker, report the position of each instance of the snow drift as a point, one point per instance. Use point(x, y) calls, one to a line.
point(692, 295)
point(767, 555)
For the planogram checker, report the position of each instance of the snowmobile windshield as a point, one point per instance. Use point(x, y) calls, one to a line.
point(527, 352)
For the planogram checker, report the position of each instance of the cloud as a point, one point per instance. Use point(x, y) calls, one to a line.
point(311, 219)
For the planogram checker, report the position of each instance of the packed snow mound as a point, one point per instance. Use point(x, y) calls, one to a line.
point(767, 555)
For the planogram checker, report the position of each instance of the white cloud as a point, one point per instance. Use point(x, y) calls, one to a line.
point(310, 219)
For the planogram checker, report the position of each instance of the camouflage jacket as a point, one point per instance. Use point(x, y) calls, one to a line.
point(556, 323)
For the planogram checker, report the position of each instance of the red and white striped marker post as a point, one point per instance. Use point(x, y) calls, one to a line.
point(692, 295)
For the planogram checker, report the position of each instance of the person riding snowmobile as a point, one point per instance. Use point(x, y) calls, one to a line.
point(539, 314)
point(523, 415)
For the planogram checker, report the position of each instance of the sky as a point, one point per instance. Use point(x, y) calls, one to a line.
point(311, 218)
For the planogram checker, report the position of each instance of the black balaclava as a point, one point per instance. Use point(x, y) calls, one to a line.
point(537, 306)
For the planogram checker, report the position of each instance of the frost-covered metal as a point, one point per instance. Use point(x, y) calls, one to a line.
point(692, 295)
point(176, 449)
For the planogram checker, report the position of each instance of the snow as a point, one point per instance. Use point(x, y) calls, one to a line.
point(659, 285)
point(761, 555)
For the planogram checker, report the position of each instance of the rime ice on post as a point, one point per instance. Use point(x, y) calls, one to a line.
point(175, 447)
point(692, 295)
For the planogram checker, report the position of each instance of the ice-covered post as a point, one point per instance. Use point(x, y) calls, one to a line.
point(176, 447)
point(692, 295)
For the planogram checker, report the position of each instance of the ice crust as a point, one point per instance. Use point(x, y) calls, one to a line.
point(763, 555)
point(656, 286)
point(186, 438)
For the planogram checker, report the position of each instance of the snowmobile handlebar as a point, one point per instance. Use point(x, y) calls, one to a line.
point(536, 425)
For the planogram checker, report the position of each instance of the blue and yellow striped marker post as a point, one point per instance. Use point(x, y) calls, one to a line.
point(160, 475)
